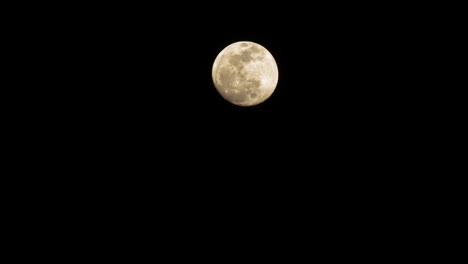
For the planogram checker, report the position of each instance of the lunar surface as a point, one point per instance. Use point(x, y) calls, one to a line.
point(245, 73)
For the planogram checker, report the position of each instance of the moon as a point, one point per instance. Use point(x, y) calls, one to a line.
point(245, 73)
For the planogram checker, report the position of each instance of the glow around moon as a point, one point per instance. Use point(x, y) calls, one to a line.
point(245, 73)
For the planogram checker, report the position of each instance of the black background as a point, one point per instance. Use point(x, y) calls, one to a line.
point(124, 145)
point(135, 123)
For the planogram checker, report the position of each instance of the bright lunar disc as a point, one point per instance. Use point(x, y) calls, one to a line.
point(245, 73)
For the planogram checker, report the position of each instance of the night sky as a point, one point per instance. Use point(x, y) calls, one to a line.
point(132, 112)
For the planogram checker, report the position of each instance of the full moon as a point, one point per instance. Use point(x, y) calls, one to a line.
point(245, 73)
